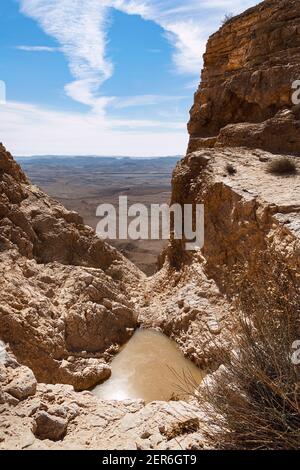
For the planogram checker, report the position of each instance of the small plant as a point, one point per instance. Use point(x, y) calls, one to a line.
point(147, 299)
point(230, 169)
point(282, 166)
point(227, 18)
point(185, 426)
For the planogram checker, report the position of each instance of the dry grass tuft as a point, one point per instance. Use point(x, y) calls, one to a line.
point(179, 428)
point(282, 166)
point(230, 169)
point(253, 402)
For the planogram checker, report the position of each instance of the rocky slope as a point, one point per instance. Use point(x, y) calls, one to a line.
point(36, 416)
point(65, 305)
point(250, 260)
point(68, 300)
point(251, 256)
point(245, 96)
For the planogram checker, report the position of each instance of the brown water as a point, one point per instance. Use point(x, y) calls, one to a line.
point(151, 367)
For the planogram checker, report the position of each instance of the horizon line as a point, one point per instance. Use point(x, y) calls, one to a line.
point(97, 156)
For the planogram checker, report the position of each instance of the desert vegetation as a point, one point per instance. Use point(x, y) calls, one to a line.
point(230, 169)
point(282, 166)
point(227, 18)
point(253, 400)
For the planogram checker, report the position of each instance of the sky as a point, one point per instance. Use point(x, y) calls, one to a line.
point(102, 77)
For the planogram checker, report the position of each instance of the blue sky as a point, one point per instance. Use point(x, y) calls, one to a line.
point(102, 77)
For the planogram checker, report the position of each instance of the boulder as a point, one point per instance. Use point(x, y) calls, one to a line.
point(49, 426)
point(23, 385)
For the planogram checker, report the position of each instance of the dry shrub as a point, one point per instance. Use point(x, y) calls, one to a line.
point(230, 169)
point(179, 428)
point(282, 166)
point(227, 18)
point(254, 402)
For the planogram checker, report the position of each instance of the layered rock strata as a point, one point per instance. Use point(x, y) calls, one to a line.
point(68, 300)
point(245, 96)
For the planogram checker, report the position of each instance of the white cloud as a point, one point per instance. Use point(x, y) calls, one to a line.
point(188, 23)
point(38, 48)
point(28, 130)
point(81, 28)
point(143, 100)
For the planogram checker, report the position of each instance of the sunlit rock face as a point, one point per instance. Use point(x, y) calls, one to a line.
point(250, 258)
point(242, 120)
point(64, 304)
point(249, 67)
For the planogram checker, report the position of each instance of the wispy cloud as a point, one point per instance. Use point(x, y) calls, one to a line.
point(38, 48)
point(144, 100)
point(81, 28)
point(188, 23)
point(29, 129)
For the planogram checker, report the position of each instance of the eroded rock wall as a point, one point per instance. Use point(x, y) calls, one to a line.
point(251, 255)
point(65, 303)
point(68, 299)
point(246, 84)
point(252, 217)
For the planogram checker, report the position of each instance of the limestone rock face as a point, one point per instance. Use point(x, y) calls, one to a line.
point(65, 305)
point(249, 67)
point(189, 307)
point(69, 300)
point(251, 255)
point(16, 382)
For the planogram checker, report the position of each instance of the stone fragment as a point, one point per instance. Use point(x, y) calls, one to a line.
point(50, 426)
point(23, 385)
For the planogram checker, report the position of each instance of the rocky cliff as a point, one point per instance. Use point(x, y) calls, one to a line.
point(251, 256)
point(250, 260)
point(65, 304)
point(245, 96)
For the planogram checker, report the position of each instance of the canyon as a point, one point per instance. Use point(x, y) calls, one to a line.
point(82, 183)
point(70, 301)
